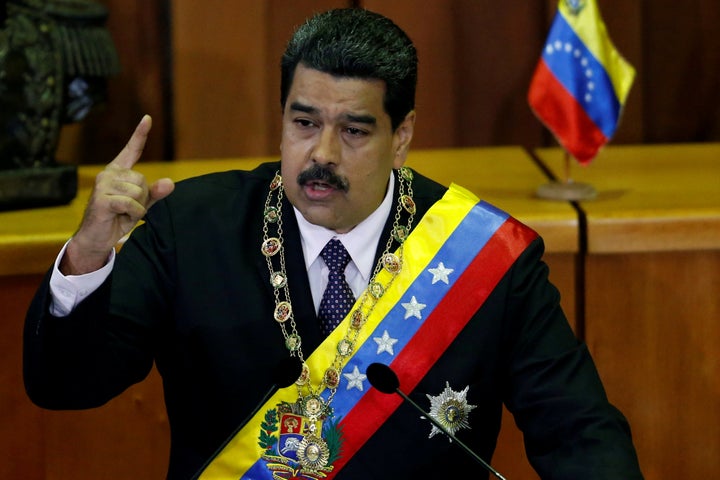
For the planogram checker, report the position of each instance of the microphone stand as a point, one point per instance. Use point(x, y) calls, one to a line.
point(452, 437)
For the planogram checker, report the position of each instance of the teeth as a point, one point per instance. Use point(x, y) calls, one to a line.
point(320, 186)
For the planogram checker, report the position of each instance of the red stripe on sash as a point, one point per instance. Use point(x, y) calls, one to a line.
point(438, 331)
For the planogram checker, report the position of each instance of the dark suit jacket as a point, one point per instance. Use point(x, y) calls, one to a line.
point(190, 291)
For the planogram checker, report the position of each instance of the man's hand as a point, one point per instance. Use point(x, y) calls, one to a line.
point(120, 198)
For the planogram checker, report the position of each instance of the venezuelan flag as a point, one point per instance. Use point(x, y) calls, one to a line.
point(581, 82)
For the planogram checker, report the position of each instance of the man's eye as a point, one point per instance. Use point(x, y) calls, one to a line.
point(304, 122)
point(355, 131)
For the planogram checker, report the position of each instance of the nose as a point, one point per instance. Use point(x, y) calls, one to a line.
point(327, 149)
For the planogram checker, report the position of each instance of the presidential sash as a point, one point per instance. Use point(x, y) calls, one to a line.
point(452, 261)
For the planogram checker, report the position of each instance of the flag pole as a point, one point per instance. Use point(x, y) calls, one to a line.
point(567, 189)
point(568, 179)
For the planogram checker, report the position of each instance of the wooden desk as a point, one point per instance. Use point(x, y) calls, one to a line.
point(506, 177)
point(129, 437)
point(653, 297)
point(29, 239)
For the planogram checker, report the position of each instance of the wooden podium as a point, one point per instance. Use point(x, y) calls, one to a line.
point(652, 293)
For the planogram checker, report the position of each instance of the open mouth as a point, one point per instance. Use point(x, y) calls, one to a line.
point(318, 190)
point(319, 185)
point(320, 179)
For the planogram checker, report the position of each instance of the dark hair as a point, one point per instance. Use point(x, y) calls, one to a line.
point(354, 42)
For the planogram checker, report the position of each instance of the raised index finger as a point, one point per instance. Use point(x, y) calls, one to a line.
point(129, 155)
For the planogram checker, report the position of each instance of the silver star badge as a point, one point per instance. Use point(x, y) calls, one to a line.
point(440, 273)
point(413, 308)
point(385, 343)
point(355, 379)
point(450, 409)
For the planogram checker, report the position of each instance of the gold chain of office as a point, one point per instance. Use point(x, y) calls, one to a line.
point(310, 402)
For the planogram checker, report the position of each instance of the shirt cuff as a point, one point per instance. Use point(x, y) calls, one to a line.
point(67, 292)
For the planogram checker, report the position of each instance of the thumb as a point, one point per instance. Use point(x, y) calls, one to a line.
point(159, 190)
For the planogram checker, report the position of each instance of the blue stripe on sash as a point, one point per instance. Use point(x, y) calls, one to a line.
point(471, 235)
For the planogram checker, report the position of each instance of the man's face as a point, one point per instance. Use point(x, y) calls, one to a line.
point(338, 147)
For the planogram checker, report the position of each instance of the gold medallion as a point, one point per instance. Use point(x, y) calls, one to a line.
point(271, 214)
point(376, 290)
point(313, 453)
point(271, 246)
point(391, 263)
point(283, 312)
point(357, 319)
point(345, 347)
point(304, 375)
point(278, 280)
point(293, 342)
point(332, 378)
point(276, 182)
point(400, 233)
point(408, 204)
point(304, 438)
point(406, 174)
point(313, 406)
point(293, 448)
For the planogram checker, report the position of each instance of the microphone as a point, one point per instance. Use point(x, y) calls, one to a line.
point(384, 379)
point(284, 374)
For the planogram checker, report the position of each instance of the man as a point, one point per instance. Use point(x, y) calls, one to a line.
point(232, 274)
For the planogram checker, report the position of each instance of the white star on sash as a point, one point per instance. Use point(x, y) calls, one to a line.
point(355, 379)
point(440, 273)
point(412, 309)
point(385, 343)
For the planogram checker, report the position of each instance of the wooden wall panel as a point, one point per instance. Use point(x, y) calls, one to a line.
point(476, 59)
point(226, 70)
point(652, 328)
point(499, 45)
point(682, 70)
point(129, 438)
point(435, 42)
point(22, 445)
point(220, 78)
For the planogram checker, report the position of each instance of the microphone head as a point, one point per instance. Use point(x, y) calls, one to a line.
point(287, 371)
point(382, 377)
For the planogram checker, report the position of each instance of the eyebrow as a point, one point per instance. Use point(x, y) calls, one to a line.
point(301, 107)
point(366, 119)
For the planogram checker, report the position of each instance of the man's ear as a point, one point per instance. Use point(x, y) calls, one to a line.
point(401, 139)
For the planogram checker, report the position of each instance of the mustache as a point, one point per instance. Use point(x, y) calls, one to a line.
point(323, 174)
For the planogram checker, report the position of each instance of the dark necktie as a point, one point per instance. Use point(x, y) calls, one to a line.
point(338, 298)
